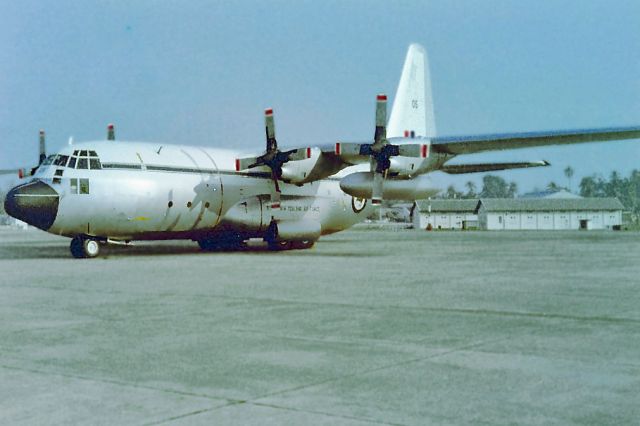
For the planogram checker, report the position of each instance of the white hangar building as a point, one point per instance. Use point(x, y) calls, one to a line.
point(549, 213)
point(445, 214)
point(518, 213)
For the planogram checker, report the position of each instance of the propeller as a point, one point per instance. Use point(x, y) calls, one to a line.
point(24, 172)
point(273, 158)
point(380, 151)
point(43, 155)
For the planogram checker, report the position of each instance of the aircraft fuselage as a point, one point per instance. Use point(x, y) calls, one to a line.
point(143, 191)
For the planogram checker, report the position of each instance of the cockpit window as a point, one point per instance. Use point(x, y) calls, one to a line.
point(61, 160)
point(94, 163)
point(48, 160)
point(83, 159)
point(83, 163)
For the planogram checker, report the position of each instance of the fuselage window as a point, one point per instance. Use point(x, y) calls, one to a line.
point(83, 163)
point(84, 186)
point(95, 164)
point(72, 162)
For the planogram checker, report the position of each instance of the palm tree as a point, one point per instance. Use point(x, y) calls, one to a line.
point(471, 189)
point(568, 172)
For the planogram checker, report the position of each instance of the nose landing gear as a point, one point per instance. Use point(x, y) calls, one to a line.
point(83, 247)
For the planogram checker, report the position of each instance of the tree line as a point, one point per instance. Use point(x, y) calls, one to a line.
point(626, 189)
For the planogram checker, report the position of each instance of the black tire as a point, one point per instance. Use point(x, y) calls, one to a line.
point(302, 245)
point(279, 245)
point(82, 247)
point(76, 248)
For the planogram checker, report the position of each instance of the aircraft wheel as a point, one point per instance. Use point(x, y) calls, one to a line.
point(207, 244)
point(303, 244)
point(83, 247)
point(279, 245)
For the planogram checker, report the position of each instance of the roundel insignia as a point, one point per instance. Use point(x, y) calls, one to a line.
point(358, 204)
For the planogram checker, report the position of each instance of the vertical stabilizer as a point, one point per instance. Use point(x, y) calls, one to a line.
point(413, 104)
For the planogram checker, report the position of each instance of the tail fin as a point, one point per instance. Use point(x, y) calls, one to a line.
point(413, 104)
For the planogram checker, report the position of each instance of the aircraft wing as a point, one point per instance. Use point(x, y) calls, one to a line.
point(456, 169)
point(472, 144)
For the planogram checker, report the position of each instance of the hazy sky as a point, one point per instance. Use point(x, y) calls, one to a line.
point(201, 73)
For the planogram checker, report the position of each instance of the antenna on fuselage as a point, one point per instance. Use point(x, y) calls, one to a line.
point(111, 133)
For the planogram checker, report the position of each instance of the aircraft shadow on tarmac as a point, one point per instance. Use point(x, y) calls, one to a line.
point(15, 251)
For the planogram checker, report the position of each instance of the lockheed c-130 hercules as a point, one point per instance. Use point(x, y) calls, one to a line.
point(113, 191)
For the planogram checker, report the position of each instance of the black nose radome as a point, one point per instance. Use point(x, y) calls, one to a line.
point(35, 203)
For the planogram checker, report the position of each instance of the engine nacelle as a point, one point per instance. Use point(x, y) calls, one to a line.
point(298, 172)
point(360, 185)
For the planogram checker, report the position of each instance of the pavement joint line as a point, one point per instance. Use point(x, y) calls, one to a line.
point(194, 413)
point(359, 342)
point(381, 368)
point(341, 416)
point(113, 382)
point(542, 315)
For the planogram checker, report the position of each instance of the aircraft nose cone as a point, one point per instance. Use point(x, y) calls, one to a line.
point(35, 203)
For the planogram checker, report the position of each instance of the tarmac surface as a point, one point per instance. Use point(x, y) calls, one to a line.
point(367, 327)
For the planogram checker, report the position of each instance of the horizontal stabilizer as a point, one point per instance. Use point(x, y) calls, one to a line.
point(457, 169)
point(471, 144)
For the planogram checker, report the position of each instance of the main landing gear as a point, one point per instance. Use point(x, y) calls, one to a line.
point(290, 245)
point(222, 243)
point(83, 247)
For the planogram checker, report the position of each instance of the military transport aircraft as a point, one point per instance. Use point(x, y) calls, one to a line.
point(114, 191)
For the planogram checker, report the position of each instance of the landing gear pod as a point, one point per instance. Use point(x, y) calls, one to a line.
point(292, 234)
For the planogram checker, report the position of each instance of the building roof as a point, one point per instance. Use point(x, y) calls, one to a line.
point(468, 206)
point(549, 204)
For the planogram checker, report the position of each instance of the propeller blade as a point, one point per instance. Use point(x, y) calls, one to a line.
point(270, 129)
point(298, 154)
point(247, 163)
point(275, 195)
point(43, 149)
point(111, 133)
point(377, 189)
point(380, 136)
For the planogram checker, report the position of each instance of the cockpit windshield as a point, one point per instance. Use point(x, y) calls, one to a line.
point(80, 159)
point(85, 159)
